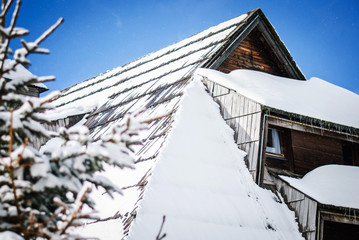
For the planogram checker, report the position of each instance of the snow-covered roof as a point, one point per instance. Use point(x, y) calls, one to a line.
point(330, 184)
point(156, 83)
point(313, 98)
point(202, 185)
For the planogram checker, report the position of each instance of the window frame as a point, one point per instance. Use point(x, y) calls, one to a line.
point(282, 141)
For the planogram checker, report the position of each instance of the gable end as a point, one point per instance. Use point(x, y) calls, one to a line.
point(259, 48)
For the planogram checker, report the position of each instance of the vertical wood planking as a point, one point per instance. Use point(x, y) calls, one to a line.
point(243, 116)
point(304, 207)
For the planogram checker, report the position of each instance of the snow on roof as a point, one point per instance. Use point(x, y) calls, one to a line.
point(314, 98)
point(330, 184)
point(202, 185)
point(154, 83)
point(147, 74)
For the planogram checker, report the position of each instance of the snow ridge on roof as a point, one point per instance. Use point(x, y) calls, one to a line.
point(314, 98)
point(203, 187)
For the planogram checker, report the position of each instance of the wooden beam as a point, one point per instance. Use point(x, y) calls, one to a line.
point(281, 122)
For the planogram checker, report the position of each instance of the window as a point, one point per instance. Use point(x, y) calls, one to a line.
point(275, 142)
point(278, 150)
point(338, 225)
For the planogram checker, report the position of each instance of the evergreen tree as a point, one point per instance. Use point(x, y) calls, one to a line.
point(42, 193)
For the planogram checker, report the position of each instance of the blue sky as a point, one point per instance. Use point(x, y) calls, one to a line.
point(99, 35)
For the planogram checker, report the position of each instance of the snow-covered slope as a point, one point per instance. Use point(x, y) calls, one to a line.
point(202, 186)
point(314, 98)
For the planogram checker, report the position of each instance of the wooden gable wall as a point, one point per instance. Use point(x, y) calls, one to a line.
point(254, 53)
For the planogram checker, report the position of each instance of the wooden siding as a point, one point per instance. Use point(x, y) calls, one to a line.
point(254, 53)
point(244, 117)
point(304, 207)
point(311, 147)
point(311, 151)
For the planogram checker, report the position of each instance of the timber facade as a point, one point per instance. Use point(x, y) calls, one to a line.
point(304, 148)
point(254, 53)
point(305, 143)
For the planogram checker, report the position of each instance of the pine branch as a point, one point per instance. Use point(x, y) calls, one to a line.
point(5, 6)
point(22, 152)
point(49, 31)
point(11, 169)
point(76, 212)
point(12, 25)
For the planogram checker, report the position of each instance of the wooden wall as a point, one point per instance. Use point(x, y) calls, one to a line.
point(310, 148)
point(254, 53)
point(304, 207)
point(311, 151)
point(244, 117)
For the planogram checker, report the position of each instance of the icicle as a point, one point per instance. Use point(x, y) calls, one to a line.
point(312, 124)
point(355, 217)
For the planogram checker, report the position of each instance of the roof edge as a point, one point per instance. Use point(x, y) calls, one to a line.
point(349, 131)
point(276, 37)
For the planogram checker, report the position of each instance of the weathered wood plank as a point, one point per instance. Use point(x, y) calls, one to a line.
point(304, 207)
point(243, 116)
point(254, 53)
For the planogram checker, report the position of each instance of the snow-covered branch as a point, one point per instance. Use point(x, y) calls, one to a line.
point(43, 193)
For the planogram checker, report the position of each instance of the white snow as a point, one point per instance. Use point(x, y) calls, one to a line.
point(330, 184)
point(202, 186)
point(20, 73)
point(10, 236)
point(314, 98)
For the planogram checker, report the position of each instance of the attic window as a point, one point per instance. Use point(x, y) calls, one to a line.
point(275, 142)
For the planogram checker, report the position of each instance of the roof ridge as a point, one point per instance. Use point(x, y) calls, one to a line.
point(156, 57)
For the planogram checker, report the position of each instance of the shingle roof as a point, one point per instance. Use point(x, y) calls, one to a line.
point(151, 78)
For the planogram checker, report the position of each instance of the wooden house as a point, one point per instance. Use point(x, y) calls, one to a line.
point(286, 135)
point(278, 141)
